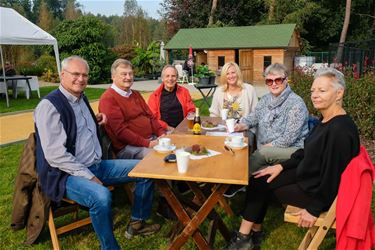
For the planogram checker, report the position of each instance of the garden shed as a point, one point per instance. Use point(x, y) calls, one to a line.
point(252, 47)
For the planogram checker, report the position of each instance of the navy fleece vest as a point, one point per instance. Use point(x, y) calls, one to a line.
point(52, 179)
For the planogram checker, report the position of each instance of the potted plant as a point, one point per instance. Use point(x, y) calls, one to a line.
point(203, 73)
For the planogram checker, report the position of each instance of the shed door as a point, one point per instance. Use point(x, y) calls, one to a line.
point(246, 64)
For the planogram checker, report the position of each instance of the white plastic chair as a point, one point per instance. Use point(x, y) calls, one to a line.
point(22, 85)
point(182, 74)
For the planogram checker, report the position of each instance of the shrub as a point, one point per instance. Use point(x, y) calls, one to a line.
point(26, 68)
point(359, 100)
point(87, 36)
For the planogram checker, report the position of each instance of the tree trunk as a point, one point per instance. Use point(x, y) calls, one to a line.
point(344, 31)
point(213, 10)
point(271, 11)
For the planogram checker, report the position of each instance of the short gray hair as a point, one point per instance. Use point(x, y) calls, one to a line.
point(66, 61)
point(336, 76)
point(276, 69)
point(119, 62)
point(166, 67)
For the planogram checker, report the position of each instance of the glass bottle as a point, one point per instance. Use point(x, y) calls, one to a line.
point(197, 123)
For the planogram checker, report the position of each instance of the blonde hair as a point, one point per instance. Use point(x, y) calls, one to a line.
point(223, 75)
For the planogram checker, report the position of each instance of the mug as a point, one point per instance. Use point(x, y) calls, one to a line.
point(164, 142)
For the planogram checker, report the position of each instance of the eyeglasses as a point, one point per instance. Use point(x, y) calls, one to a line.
point(278, 81)
point(76, 75)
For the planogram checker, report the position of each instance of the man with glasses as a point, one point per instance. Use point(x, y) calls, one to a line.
point(69, 157)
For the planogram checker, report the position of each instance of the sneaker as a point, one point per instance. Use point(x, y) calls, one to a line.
point(240, 241)
point(257, 237)
point(233, 190)
point(164, 210)
point(140, 227)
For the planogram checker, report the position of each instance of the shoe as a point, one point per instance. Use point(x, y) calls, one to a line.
point(164, 210)
point(240, 241)
point(233, 190)
point(140, 227)
point(257, 237)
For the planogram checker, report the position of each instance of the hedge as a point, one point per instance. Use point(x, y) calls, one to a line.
point(359, 100)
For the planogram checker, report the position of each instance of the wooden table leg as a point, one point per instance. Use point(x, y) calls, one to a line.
point(183, 217)
point(220, 189)
point(200, 216)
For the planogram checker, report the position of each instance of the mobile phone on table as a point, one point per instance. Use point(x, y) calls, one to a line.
point(170, 158)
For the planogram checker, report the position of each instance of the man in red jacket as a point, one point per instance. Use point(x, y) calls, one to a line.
point(131, 126)
point(170, 102)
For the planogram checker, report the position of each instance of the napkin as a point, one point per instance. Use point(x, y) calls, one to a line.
point(210, 153)
point(215, 133)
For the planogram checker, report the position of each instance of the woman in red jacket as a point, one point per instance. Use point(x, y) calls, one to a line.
point(170, 103)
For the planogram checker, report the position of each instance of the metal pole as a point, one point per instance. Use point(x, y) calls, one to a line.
point(5, 81)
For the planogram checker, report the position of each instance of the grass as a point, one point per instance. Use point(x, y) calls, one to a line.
point(280, 235)
point(21, 103)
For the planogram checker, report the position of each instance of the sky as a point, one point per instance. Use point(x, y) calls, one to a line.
point(116, 7)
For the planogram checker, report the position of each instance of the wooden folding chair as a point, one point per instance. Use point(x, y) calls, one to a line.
point(69, 207)
point(315, 235)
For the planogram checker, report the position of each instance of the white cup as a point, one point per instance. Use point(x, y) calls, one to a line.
point(164, 142)
point(230, 125)
point(224, 114)
point(237, 140)
point(183, 158)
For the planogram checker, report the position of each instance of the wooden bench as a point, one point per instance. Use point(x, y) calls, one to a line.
point(315, 235)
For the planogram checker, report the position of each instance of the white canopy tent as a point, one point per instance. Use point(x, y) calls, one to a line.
point(17, 30)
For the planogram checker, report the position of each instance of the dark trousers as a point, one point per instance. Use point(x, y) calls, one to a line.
point(259, 192)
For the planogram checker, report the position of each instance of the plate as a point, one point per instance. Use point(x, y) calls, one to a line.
point(219, 126)
point(229, 144)
point(163, 150)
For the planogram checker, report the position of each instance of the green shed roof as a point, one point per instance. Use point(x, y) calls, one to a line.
point(259, 36)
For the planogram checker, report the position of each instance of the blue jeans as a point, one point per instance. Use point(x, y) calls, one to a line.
point(98, 198)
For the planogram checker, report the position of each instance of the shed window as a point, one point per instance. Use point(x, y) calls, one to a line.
point(220, 61)
point(267, 61)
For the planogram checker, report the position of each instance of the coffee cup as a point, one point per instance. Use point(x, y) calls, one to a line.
point(183, 158)
point(224, 114)
point(230, 124)
point(237, 140)
point(164, 142)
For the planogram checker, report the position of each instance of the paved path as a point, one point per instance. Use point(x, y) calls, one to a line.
point(17, 127)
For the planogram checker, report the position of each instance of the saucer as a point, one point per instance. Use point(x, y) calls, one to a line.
point(235, 146)
point(164, 150)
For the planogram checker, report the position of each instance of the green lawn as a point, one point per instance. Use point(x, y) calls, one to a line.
point(280, 235)
point(21, 103)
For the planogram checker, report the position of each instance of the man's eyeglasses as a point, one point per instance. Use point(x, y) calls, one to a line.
point(278, 81)
point(76, 75)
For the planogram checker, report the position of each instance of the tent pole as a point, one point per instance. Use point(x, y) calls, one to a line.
point(5, 81)
point(56, 49)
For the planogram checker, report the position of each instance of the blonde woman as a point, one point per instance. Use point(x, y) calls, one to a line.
point(238, 97)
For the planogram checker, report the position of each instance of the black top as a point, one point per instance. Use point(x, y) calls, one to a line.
point(327, 152)
point(170, 108)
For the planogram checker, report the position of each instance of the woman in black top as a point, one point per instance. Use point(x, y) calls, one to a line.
point(311, 178)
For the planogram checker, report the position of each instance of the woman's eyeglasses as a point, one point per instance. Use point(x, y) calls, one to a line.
point(278, 81)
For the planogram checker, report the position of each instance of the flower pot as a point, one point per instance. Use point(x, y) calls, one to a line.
point(212, 80)
point(204, 80)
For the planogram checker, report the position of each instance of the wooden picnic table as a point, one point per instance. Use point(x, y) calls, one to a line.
point(220, 170)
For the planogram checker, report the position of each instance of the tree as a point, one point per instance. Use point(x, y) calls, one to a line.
point(70, 12)
point(212, 13)
point(89, 37)
point(46, 20)
point(344, 31)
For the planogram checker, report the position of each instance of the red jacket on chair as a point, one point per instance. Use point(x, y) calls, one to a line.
point(183, 97)
point(354, 223)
